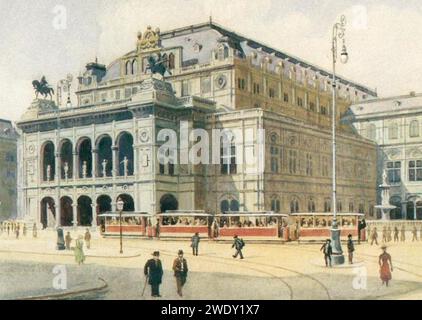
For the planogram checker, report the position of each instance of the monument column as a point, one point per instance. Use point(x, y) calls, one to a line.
point(115, 151)
point(94, 215)
point(75, 214)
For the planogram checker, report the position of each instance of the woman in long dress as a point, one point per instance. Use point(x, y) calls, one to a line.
point(79, 252)
point(386, 266)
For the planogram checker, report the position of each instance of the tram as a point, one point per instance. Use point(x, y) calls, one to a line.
point(315, 226)
point(259, 225)
point(133, 224)
point(180, 223)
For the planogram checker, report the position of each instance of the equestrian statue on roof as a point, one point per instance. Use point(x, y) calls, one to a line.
point(158, 65)
point(43, 87)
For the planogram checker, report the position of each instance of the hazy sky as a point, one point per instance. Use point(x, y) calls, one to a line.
point(383, 37)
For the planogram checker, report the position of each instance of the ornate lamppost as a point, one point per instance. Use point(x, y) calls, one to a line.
point(119, 206)
point(338, 34)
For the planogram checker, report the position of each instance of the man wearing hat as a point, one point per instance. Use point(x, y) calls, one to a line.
point(328, 251)
point(180, 268)
point(154, 271)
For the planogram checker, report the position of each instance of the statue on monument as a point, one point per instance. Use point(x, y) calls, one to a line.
point(104, 165)
point(158, 65)
point(48, 172)
point(66, 170)
point(125, 166)
point(84, 169)
point(43, 87)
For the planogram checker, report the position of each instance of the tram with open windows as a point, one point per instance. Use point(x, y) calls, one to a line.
point(317, 226)
point(252, 225)
point(182, 223)
point(132, 224)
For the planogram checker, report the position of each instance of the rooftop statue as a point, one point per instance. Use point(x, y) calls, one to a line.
point(43, 87)
point(158, 65)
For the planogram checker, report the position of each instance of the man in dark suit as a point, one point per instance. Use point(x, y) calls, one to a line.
point(180, 268)
point(154, 271)
point(328, 251)
point(238, 244)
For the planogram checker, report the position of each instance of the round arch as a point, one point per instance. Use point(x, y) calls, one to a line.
point(66, 211)
point(48, 212)
point(104, 159)
point(84, 151)
point(129, 204)
point(168, 202)
point(124, 143)
point(84, 211)
point(48, 159)
point(103, 204)
point(66, 158)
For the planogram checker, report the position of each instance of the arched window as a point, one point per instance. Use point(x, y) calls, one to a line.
point(414, 129)
point(128, 68)
point(134, 66)
point(171, 62)
point(222, 52)
point(228, 154)
point(393, 131)
point(372, 131)
point(327, 205)
point(234, 205)
point(294, 206)
point(311, 205)
point(275, 205)
point(361, 207)
point(224, 206)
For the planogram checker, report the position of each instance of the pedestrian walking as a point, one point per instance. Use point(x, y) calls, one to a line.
point(195, 244)
point(361, 228)
point(153, 270)
point(396, 234)
point(157, 229)
point(68, 241)
point(180, 268)
point(374, 236)
point(238, 244)
point(386, 266)
point(384, 234)
point(389, 234)
point(350, 248)
point(87, 239)
point(8, 229)
point(17, 232)
point(24, 230)
point(327, 249)
point(79, 251)
point(414, 234)
point(403, 234)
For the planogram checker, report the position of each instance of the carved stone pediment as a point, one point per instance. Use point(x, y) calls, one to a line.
point(393, 153)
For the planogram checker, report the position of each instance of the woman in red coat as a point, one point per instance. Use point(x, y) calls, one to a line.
point(386, 266)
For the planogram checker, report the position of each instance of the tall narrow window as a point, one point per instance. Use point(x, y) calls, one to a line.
point(171, 62)
point(275, 205)
point(309, 165)
point(185, 88)
point(394, 172)
point(292, 161)
point(414, 129)
point(274, 159)
point(311, 205)
point(393, 131)
point(415, 170)
point(228, 157)
point(294, 206)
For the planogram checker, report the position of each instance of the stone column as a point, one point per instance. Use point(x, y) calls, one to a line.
point(115, 151)
point(94, 215)
point(94, 163)
point(135, 161)
point(75, 214)
point(57, 170)
point(404, 210)
point(75, 173)
point(58, 211)
point(414, 210)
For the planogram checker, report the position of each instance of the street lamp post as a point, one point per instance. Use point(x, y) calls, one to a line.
point(119, 206)
point(338, 34)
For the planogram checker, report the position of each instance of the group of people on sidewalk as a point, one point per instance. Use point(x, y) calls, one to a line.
point(395, 234)
point(384, 260)
point(64, 243)
point(17, 229)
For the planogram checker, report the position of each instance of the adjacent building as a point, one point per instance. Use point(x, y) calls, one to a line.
point(394, 124)
point(8, 170)
point(78, 161)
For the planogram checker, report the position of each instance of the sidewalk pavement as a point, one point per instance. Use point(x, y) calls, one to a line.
point(45, 244)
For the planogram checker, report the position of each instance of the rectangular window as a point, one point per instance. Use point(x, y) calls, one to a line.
point(286, 97)
point(309, 164)
point(134, 90)
point(271, 93)
point(292, 161)
point(323, 110)
point(104, 96)
point(312, 106)
point(256, 88)
point(128, 92)
point(117, 94)
point(274, 159)
point(228, 160)
point(185, 88)
point(205, 85)
point(394, 172)
point(171, 169)
point(162, 168)
point(415, 170)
